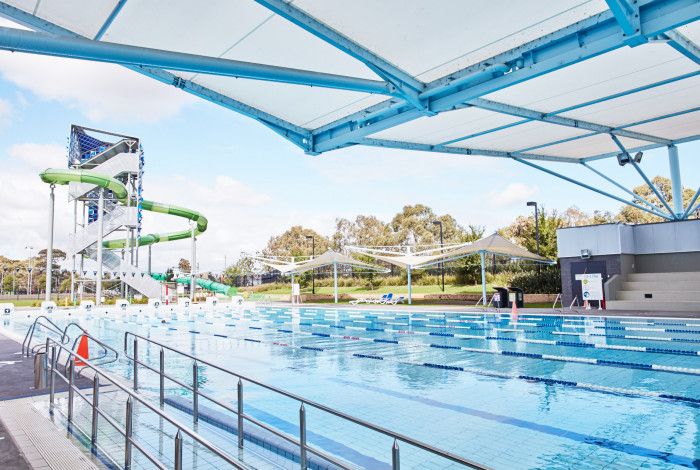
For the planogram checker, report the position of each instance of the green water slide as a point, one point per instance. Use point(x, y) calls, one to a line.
point(64, 176)
point(212, 286)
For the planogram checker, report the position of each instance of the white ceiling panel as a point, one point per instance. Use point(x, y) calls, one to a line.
point(589, 146)
point(297, 104)
point(446, 126)
point(647, 104)
point(691, 31)
point(411, 33)
point(677, 127)
point(605, 75)
point(522, 136)
point(84, 17)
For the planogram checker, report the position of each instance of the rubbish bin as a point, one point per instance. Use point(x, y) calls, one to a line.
point(516, 295)
point(500, 298)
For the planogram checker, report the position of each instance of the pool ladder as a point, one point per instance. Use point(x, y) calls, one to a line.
point(304, 448)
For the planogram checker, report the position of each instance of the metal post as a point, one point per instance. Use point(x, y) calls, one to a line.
point(408, 276)
point(49, 249)
point(192, 264)
point(100, 237)
point(676, 187)
point(95, 405)
point(136, 364)
point(240, 413)
point(72, 272)
point(482, 255)
point(162, 376)
point(178, 450)
point(149, 258)
point(335, 282)
point(128, 433)
point(51, 379)
point(71, 369)
point(195, 393)
point(395, 459)
point(302, 437)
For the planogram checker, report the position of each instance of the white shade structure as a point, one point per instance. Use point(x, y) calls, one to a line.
point(329, 258)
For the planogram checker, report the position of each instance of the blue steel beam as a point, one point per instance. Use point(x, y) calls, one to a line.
point(456, 150)
point(627, 15)
point(692, 208)
point(406, 83)
point(624, 126)
point(594, 189)
point(684, 45)
point(576, 43)
point(295, 134)
point(642, 148)
point(110, 19)
point(631, 193)
point(646, 179)
point(676, 185)
point(17, 40)
point(561, 121)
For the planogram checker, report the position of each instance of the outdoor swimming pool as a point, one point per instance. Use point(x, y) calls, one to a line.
point(540, 392)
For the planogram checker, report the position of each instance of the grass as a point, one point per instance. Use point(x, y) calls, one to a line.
point(397, 290)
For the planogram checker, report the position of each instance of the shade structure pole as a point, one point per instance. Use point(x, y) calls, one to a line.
point(408, 276)
point(100, 248)
point(482, 255)
point(292, 287)
point(49, 248)
point(74, 267)
point(335, 281)
point(676, 188)
point(192, 263)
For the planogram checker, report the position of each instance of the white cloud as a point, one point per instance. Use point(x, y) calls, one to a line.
point(38, 156)
point(100, 91)
point(5, 112)
point(514, 193)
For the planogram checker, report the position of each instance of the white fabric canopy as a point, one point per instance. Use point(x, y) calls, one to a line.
point(330, 258)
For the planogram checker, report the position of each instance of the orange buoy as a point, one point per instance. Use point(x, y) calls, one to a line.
point(83, 351)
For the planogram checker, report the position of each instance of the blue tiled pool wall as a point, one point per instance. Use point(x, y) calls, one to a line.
point(263, 326)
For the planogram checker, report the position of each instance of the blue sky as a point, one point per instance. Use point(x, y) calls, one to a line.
point(250, 182)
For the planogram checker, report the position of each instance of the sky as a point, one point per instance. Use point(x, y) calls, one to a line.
point(248, 181)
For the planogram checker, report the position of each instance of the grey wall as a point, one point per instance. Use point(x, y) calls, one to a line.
point(667, 262)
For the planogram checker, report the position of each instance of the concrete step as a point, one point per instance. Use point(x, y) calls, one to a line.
point(687, 295)
point(661, 285)
point(657, 306)
point(679, 276)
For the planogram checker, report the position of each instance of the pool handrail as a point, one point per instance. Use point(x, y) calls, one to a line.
point(50, 361)
point(95, 360)
point(301, 442)
point(50, 325)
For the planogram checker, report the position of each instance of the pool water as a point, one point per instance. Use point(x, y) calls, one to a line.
point(537, 391)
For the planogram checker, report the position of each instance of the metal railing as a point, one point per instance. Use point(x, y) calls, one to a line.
point(45, 322)
point(130, 442)
point(102, 357)
point(242, 417)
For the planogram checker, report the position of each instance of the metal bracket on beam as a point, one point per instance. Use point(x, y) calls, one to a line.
point(627, 15)
point(683, 45)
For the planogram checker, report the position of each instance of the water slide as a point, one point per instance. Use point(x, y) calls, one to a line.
point(65, 176)
point(213, 286)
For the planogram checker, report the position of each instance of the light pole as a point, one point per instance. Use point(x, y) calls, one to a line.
point(442, 265)
point(313, 271)
point(537, 228)
point(29, 269)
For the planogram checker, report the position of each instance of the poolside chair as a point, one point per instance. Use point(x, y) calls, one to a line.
point(396, 300)
point(363, 300)
point(385, 299)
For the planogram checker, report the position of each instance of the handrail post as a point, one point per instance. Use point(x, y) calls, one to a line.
point(395, 459)
point(240, 413)
point(95, 405)
point(195, 393)
point(178, 450)
point(302, 437)
point(128, 433)
point(71, 368)
point(45, 364)
point(162, 376)
point(136, 364)
point(51, 379)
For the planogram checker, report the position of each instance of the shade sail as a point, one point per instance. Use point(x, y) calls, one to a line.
point(330, 258)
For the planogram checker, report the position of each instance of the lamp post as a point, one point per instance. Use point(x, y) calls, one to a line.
point(537, 228)
point(313, 271)
point(442, 265)
point(29, 269)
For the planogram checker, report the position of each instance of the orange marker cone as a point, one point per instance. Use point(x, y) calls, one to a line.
point(83, 351)
point(514, 312)
point(586, 305)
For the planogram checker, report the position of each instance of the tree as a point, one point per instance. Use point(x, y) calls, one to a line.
point(293, 242)
point(523, 232)
point(629, 214)
point(184, 266)
point(365, 230)
point(418, 221)
point(244, 266)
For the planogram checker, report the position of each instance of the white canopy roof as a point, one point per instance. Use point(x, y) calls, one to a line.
point(532, 79)
point(328, 258)
point(495, 244)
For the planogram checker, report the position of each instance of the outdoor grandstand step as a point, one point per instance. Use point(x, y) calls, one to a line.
point(684, 295)
point(655, 277)
point(661, 285)
point(657, 306)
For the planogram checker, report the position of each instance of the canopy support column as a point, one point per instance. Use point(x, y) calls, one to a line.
point(408, 275)
point(100, 248)
point(192, 263)
point(335, 281)
point(482, 255)
point(676, 188)
point(49, 249)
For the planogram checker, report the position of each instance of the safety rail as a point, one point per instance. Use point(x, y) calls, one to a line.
point(301, 443)
point(29, 336)
point(103, 357)
point(130, 443)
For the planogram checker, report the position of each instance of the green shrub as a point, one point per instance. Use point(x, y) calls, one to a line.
point(547, 281)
